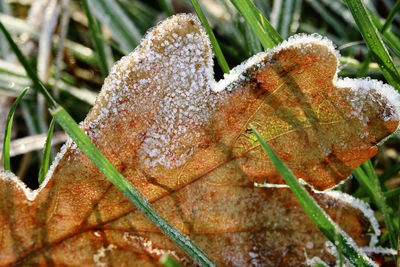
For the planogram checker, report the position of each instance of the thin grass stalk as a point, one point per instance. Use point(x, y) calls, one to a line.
point(391, 16)
point(371, 186)
point(390, 173)
point(217, 49)
point(96, 34)
point(264, 31)
point(46, 159)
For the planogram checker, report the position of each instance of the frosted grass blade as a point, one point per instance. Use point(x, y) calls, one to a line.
point(7, 134)
point(317, 215)
point(46, 159)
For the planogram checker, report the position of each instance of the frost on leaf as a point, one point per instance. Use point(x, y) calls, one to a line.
point(183, 139)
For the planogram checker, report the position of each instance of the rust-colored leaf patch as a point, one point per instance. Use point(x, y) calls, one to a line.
point(184, 140)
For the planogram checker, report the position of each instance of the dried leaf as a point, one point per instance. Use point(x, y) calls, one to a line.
point(173, 131)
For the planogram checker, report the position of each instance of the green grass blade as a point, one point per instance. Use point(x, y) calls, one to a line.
point(372, 187)
point(167, 261)
point(29, 70)
point(317, 215)
point(283, 12)
point(336, 24)
point(273, 34)
point(374, 41)
point(390, 173)
point(138, 199)
point(217, 49)
point(263, 6)
point(252, 43)
point(143, 14)
point(95, 31)
point(392, 193)
point(46, 159)
point(369, 169)
point(264, 31)
point(391, 15)
point(7, 134)
point(390, 39)
point(113, 16)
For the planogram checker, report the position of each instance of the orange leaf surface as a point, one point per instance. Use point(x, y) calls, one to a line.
point(184, 140)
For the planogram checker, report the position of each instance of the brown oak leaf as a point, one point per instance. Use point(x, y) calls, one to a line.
point(184, 140)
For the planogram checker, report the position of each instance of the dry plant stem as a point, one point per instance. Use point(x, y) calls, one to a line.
point(50, 21)
point(35, 142)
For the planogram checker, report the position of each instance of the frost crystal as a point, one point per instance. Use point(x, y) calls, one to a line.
point(171, 71)
point(148, 246)
point(101, 253)
point(365, 92)
point(360, 205)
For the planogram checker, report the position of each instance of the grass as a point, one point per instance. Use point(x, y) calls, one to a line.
point(315, 212)
point(91, 47)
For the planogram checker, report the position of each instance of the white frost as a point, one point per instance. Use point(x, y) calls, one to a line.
point(173, 69)
point(303, 41)
point(360, 205)
point(101, 253)
point(148, 246)
point(10, 177)
point(363, 89)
